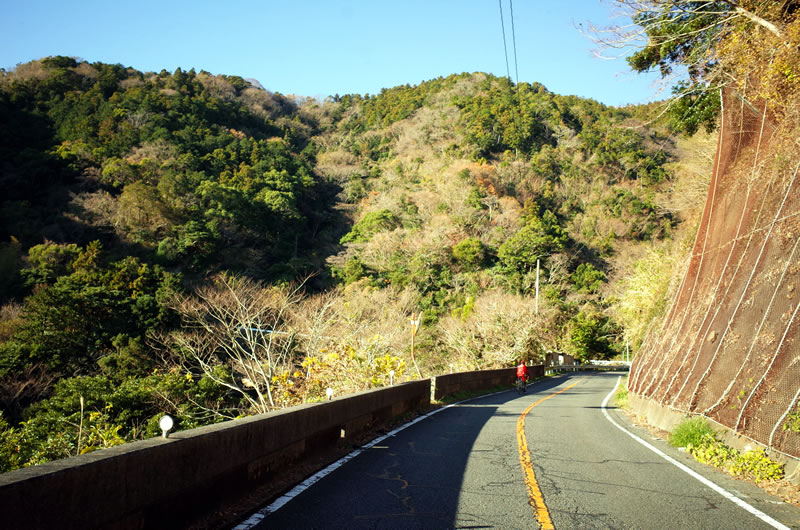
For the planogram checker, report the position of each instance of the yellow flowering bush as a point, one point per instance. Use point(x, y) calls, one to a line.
point(346, 369)
point(753, 464)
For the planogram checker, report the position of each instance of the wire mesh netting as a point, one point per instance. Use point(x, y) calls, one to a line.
point(729, 346)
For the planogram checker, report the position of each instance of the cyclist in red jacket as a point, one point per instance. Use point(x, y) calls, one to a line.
point(522, 376)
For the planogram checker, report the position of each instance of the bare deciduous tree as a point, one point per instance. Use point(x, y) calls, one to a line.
point(502, 329)
point(318, 318)
point(19, 389)
point(238, 323)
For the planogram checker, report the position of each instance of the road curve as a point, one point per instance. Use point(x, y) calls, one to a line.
point(465, 467)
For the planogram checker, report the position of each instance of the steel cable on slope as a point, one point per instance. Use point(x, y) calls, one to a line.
point(654, 374)
point(720, 279)
point(788, 326)
point(744, 363)
point(748, 235)
point(646, 351)
point(726, 392)
point(708, 371)
point(788, 410)
point(635, 370)
point(644, 368)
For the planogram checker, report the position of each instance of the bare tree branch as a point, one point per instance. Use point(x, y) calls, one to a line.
point(241, 325)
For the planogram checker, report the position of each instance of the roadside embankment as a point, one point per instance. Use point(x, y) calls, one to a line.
point(667, 419)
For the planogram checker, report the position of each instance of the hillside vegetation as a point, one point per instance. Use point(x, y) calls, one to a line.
point(191, 244)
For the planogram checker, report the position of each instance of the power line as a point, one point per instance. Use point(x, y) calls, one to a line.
point(514, 41)
point(503, 27)
point(516, 68)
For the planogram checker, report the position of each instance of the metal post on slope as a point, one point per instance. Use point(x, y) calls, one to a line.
point(537, 286)
point(414, 327)
point(627, 349)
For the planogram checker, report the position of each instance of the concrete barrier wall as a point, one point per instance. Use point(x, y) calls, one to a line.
point(159, 482)
point(443, 385)
point(162, 482)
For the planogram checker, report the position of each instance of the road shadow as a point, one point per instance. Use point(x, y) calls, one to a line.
point(413, 478)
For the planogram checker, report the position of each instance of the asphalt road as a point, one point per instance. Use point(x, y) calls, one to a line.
point(461, 468)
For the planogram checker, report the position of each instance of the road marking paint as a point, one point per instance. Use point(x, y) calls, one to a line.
point(278, 503)
point(730, 496)
point(535, 498)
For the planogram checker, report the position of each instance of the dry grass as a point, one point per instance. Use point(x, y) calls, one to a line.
point(338, 164)
point(502, 329)
point(645, 277)
point(692, 172)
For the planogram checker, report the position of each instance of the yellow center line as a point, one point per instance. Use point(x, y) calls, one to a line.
point(536, 500)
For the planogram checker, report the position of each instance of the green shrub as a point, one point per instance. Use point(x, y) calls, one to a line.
point(539, 238)
point(591, 335)
point(475, 198)
point(621, 397)
point(353, 270)
point(691, 432)
point(587, 279)
point(369, 225)
point(469, 252)
point(792, 422)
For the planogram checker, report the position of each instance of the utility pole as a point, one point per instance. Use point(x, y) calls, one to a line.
point(414, 328)
point(537, 286)
point(627, 349)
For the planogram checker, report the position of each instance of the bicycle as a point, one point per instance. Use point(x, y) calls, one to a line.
point(521, 385)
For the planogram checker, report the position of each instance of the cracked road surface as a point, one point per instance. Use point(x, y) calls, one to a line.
point(461, 468)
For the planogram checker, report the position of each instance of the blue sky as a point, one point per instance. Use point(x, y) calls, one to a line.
point(318, 48)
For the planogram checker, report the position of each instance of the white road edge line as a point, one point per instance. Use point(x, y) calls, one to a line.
point(730, 496)
point(278, 503)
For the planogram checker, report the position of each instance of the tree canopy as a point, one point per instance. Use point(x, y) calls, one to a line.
point(751, 44)
point(189, 243)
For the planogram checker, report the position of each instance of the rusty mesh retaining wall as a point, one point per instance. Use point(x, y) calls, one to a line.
point(729, 347)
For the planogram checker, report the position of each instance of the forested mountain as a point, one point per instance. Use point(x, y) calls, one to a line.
point(192, 244)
